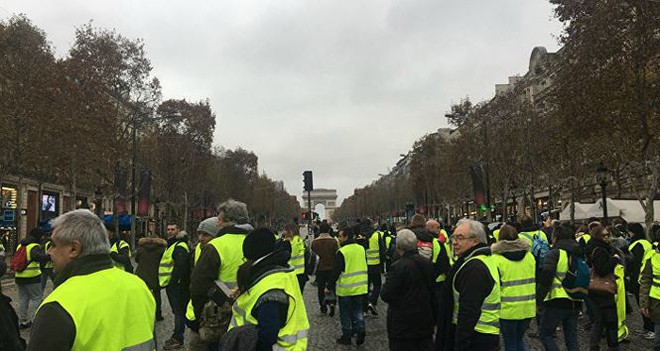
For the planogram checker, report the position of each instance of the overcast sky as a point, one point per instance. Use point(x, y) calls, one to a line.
point(337, 87)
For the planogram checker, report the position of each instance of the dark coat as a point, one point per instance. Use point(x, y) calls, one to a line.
point(148, 255)
point(548, 270)
point(409, 293)
point(600, 256)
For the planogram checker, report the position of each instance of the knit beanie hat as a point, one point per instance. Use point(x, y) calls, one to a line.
point(258, 243)
point(636, 229)
point(209, 226)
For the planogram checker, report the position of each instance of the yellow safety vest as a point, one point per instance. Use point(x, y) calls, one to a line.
point(230, 249)
point(297, 260)
point(585, 238)
point(654, 259)
point(167, 263)
point(489, 320)
point(436, 253)
point(496, 234)
point(353, 280)
point(32, 270)
point(48, 264)
point(620, 296)
point(111, 310)
point(388, 241)
point(373, 253)
point(118, 246)
point(557, 290)
point(517, 287)
point(293, 336)
point(190, 311)
point(648, 251)
point(529, 236)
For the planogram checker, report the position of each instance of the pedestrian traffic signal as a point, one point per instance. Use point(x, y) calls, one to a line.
point(307, 179)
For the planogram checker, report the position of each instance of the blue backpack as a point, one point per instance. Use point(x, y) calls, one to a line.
point(540, 247)
point(578, 276)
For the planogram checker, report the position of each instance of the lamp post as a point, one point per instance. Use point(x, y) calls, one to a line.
point(601, 176)
point(98, 202)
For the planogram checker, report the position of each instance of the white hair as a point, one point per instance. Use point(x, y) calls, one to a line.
point(233, 212)
point(84, 226)
point(406, 240)
point(476, 229)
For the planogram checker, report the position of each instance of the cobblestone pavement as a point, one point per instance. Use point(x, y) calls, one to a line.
point(324, 330)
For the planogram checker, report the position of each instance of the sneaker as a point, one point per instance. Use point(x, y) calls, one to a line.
point(173, 344)
point(649, 335)
point(332, 311)
point(372, 309)
point(344, 341)
point(24, 325)
point(360, 338)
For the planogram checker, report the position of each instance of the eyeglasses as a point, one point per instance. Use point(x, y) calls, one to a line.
point(460, 238)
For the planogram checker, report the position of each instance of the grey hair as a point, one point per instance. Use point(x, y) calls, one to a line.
point(84, 226)
point(406, 240)
point(233, 212)
point(476, 229)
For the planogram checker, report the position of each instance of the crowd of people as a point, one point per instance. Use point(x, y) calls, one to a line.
point(474, 286)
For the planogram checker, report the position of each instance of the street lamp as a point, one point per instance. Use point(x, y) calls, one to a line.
point(601, 176)
point(98, 201)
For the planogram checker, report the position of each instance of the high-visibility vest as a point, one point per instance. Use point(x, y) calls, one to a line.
point(111, 310)
point(293, 336)
point(190, 311)
point(517, 286)
point(496, 234)
point(353, 280)
point(167, 263)
point(388, 241)
point(436, 253)
point(32, 270)
point(373, 253)
point(47, 246)
point(120, 244)
point(230, 249)
point(297, 260)
point(489, 319)
point(557, 290)
point(648, 251)
point(585, 238)
point(620, 296)
point(654, 259)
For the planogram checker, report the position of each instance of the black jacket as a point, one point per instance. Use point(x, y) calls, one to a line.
point(473, 283)
point(442, 265)
point(408, 290)
point(635, 263)
point(548, 270)
point(10, 337)
point(122, 256)
point(600, 256)
point(180, 256)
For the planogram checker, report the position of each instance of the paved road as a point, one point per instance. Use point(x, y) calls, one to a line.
point(325, 330)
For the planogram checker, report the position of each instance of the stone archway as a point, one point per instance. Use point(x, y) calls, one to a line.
point(325, 197)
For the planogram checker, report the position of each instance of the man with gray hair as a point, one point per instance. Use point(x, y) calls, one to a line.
point(408, 290)
point(222, 256)
point(94, 305)
point(474, 285)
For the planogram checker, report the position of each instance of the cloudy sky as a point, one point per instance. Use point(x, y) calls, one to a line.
point(337, 87)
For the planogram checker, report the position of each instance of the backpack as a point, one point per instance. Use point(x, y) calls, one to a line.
point(578, 276)
point(540, 248)
point(425, 249)
point(19, 262)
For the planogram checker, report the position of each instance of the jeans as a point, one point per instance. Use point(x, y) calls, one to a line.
point(324, 280)
point(375, 282)
point(45, 274)
point(656, 343)
point(513, 333)
point(29, 299)
point(178, 301)
point(550, 319)
point(604, 318)
point(351, 314)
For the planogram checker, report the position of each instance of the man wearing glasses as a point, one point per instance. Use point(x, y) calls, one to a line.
point(474, 284)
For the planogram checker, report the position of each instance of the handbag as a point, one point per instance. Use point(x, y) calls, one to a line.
point(602, 285)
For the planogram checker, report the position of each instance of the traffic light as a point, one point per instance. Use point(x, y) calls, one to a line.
point(307, 179)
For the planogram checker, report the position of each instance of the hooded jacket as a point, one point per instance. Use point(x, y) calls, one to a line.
point(148, 255)
point(548, 270)
point(512, 250)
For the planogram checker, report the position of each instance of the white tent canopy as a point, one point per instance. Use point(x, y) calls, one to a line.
point(630, 210)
